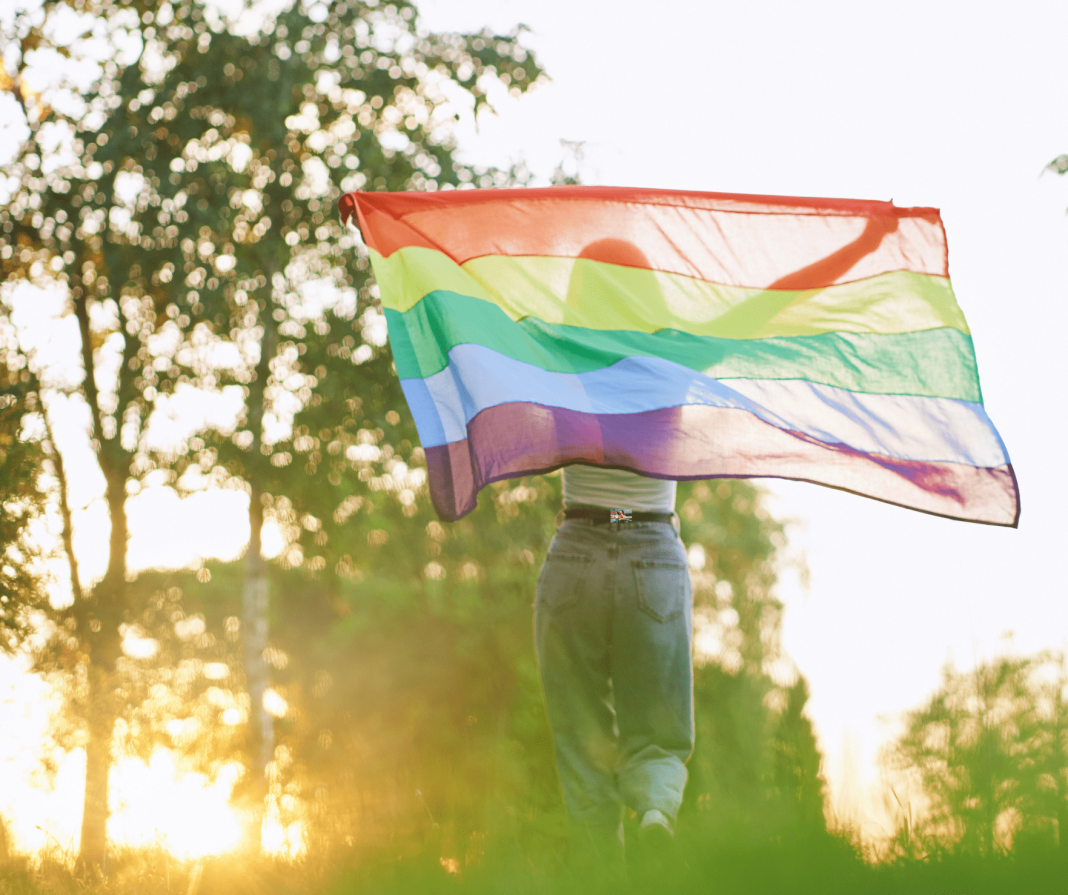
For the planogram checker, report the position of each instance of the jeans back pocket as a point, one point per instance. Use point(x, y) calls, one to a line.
point(562, 580)
point(663, 587)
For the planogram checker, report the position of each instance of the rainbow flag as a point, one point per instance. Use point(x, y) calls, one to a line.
point(684, 336)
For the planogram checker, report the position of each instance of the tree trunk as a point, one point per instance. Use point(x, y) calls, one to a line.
point(104, 649)
point(95, 808)
point(103, 615)
point(255, 603)
point(256, 596)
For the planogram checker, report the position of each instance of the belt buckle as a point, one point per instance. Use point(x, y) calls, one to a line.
point(620, 515)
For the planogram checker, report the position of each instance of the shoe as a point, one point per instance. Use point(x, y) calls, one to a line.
point(655, 845)
point(655, 828)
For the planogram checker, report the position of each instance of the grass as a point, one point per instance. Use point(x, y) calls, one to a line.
point(736, 861)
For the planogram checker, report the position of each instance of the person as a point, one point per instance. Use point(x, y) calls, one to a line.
point(613, 633)
point(612, 616)
point(613, 604)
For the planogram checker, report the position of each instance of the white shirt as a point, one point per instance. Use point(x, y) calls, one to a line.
point(617, 488)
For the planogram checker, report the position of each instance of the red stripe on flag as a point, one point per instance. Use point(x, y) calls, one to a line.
point(752, 241)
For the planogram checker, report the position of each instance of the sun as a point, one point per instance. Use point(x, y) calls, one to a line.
point(153, 803)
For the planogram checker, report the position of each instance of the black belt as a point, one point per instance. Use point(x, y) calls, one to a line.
point(601, 516)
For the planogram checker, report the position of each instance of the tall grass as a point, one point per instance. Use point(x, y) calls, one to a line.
point(709, 855)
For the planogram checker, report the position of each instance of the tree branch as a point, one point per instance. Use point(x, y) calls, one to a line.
point(52, 449)
point(92, 395)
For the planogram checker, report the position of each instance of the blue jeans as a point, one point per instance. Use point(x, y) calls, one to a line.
point(613, 629)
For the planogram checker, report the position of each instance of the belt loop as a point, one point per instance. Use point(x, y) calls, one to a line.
point(676, 523)
point(559, 520)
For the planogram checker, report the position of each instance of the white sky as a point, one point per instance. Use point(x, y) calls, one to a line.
point(947, 104)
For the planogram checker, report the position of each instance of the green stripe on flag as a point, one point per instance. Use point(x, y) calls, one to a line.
point(934, 363)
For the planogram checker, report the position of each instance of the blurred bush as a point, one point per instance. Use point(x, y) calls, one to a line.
point(990, 752)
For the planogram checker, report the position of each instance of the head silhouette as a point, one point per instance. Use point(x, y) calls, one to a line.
point(611, 280)
point(616, 251)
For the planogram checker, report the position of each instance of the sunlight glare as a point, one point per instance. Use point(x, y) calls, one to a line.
point(233, 716)
point(273, 541)
point(186, 813)
point(153, 802)
point(41, 810)
point(280, 839)
point(275, 703)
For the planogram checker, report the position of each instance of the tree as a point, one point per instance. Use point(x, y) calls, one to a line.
point(181, 196)
point(21, 500)
point(756, 761)
point(378, 115)
point(991, 752)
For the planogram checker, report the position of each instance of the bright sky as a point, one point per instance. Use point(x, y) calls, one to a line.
point(952, 105)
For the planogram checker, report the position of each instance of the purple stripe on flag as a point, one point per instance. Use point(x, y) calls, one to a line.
point(702, 442)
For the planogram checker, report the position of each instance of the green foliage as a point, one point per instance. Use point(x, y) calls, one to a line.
point(191, 203)
point(417, 710)
point(798, 778)
point(991, 751)
point(21, 501)
point(420, 662)
point(756, 759)
point(181, 675)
